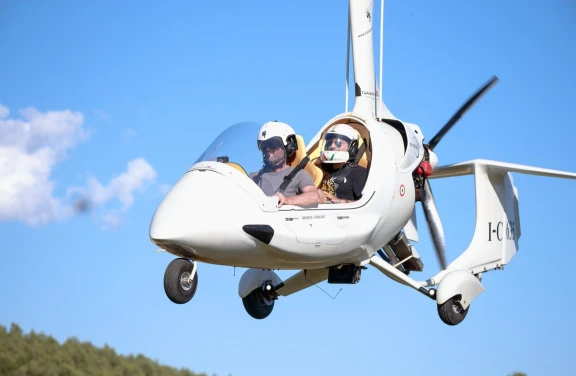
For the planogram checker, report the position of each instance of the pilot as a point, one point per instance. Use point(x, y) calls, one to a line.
point(343, 180)
point(277, 142)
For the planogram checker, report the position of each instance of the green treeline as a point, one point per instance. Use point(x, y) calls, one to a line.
point(38, 354)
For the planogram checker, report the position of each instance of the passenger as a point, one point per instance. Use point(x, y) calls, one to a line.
point(277, 142)
point(343, 181)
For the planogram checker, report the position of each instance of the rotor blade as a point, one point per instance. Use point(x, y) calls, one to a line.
point(465, 107)
point(434, 225)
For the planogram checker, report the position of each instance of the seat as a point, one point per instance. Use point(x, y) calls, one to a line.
point(314, 171)
point(237, 167)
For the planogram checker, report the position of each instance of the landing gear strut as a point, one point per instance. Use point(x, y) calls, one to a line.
point(180, 280)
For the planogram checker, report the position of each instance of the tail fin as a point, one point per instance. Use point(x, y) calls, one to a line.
point(495, 240)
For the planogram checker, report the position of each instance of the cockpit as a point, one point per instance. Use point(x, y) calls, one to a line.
point(237, 147)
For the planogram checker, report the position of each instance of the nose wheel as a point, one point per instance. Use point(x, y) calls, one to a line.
point(180, 280)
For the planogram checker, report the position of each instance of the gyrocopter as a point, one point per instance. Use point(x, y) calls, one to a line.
point(335, 242)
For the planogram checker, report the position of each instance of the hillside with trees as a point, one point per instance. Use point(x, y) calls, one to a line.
point(36, 354)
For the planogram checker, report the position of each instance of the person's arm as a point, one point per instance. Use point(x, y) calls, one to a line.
point(328, 198)
point(308, 197)
point(323, 196)
point(336, 200)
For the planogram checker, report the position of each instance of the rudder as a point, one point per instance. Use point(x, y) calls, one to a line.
point(497, 230)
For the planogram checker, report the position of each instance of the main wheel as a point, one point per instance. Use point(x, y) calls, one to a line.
point(451, 311)
point(176, 284)
point(257, 305)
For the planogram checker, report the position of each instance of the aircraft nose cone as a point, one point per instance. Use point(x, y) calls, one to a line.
point(198, 209)
point(207, 215)
point(171, 221)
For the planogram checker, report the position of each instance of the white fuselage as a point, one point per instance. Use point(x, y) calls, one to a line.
point(203, 216)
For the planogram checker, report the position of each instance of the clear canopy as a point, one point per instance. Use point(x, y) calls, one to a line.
point(237, 144)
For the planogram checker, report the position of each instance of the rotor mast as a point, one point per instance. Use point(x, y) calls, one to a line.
point(367, 100)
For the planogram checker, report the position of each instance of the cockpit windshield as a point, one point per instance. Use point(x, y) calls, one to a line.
point(236, 144)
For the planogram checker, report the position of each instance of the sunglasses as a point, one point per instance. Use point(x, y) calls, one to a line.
point(271, 144)
point(336, 142)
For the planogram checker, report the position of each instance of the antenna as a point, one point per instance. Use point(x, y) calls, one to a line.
point(347, 60)
point(381, 43)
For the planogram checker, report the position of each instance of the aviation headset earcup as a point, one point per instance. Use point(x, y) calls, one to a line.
point(353, 149)
point(292, 145)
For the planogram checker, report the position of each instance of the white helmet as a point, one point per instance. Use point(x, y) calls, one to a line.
point(277, 134)
point(338, 133)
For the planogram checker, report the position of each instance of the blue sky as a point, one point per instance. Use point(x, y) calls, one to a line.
point(116, 101)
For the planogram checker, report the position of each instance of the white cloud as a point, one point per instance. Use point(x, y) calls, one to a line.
point(29, 150)
point(122, 187)
point(112, 220)
point(138, 175)
point(54, 132)
point(31, 147)
point(4, 111)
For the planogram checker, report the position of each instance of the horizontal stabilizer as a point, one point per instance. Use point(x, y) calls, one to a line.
point(467, 168)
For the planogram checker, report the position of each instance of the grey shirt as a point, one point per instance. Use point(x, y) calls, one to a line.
point(271, 181)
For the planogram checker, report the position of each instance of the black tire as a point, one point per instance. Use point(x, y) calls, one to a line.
point(177, 289)
point(451, 312)
point(256, 305)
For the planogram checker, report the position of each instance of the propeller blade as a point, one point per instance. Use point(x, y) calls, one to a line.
point(465, 107)
point(434, 224)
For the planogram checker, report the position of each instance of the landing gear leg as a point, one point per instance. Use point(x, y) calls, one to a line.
point(180, 280)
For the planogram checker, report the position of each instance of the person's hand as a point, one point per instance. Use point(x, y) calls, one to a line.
point(333, 199)
point(325, 197)
point(322, 195)
point(282, 200)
